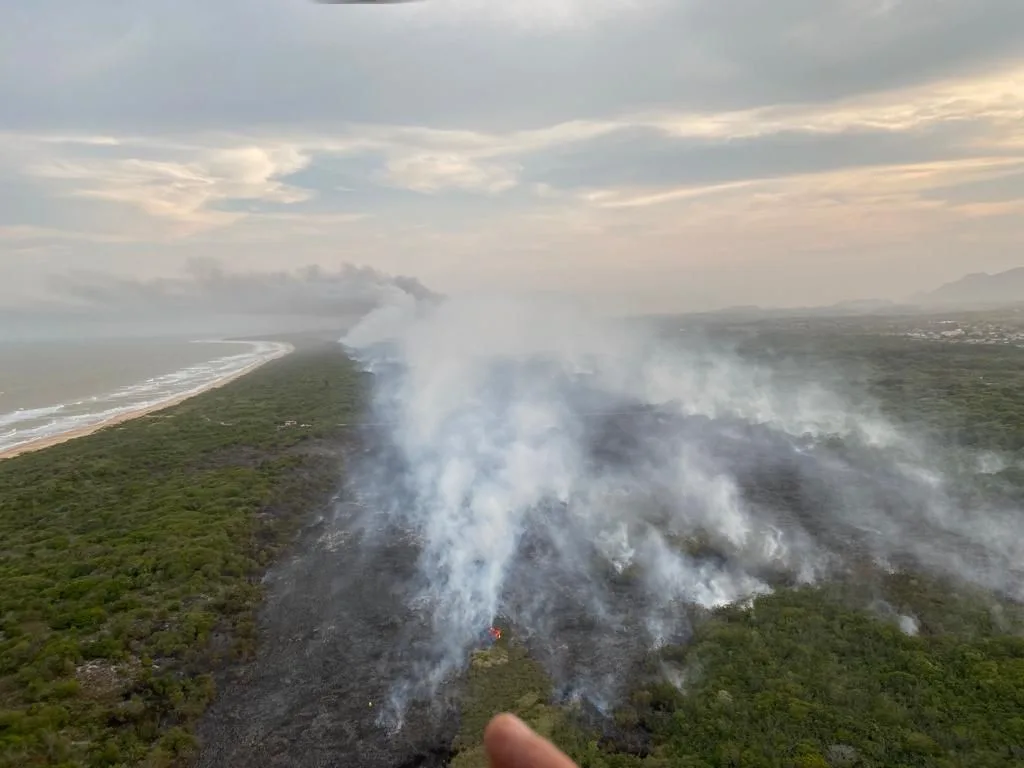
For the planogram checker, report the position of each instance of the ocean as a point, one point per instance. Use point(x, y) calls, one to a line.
point(50, 387)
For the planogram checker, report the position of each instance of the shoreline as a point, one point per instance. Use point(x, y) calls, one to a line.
point(52, 440)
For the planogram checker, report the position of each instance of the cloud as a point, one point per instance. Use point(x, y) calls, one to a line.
point(553, 145)
point(431, 172)
point(646, 156)
point(27, 233)
point(186, 192)
point(180, 176)
point(461, 63)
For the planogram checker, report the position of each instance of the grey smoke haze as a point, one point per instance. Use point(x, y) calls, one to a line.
point(544, 458)
point(208, 287)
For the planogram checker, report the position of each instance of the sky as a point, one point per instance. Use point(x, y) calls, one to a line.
point(664, 155)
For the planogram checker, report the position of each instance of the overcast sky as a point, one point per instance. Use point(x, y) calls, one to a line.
point(642, 154)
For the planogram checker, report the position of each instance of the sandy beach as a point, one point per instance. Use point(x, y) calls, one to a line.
point(46, 442)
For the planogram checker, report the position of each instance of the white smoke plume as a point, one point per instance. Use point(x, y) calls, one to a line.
point(587, 480)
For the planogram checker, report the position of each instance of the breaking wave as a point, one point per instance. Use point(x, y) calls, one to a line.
point(25, 426)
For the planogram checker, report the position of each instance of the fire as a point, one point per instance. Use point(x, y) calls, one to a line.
point(495, 633)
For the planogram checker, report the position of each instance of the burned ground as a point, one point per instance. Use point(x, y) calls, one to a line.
point(341, 628)
point(333, 616)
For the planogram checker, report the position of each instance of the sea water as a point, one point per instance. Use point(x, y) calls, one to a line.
point(49, 387)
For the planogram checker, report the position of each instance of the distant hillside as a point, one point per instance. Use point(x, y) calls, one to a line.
point(851, 308)
point(979, 290)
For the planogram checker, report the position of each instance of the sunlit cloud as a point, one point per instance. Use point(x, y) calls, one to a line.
point(572, 139)
point(185, 180)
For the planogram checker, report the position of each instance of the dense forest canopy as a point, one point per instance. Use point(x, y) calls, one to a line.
point(132, 561)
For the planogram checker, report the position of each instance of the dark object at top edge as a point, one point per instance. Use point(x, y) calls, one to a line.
point(364, 2)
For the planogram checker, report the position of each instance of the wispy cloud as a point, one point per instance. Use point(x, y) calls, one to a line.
point(588, 138)
point(186, 192)
point(186, 178)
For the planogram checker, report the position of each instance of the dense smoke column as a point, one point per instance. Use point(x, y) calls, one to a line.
point(595, 484)
point(207, 287)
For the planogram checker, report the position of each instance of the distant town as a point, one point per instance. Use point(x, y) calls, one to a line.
point(966, 332)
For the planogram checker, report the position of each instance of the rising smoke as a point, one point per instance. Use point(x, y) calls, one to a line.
point(209, 300)
point(208, 287)
point(593, 483)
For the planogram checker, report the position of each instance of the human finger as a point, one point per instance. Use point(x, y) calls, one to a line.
point(510, 743)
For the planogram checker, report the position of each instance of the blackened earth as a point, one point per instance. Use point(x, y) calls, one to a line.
point(326, 663)
point(339, 630)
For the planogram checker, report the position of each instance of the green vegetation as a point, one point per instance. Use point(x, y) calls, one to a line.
point(130, 564)
point(815, 678)
point(805, 678)
point(501, 678)
point(963, 393)
point(802, 680)
point(968, 394)
point(130, 560)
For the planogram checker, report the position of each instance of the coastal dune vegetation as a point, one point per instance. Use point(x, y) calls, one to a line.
point(131, 563)
point(823, 676)
point(130, 560)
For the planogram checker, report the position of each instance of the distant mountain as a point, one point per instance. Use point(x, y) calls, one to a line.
point(978, 290)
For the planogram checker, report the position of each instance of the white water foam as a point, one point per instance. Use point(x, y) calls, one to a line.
point(25, 426)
